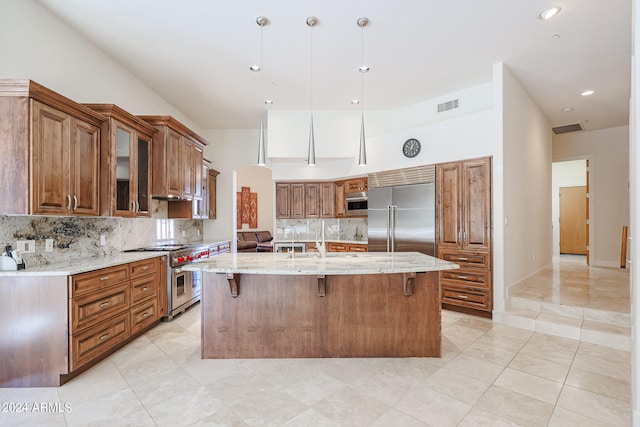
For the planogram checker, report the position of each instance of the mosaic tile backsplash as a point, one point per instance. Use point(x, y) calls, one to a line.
point(79, 237)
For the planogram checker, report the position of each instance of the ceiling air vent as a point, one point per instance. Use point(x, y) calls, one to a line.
point(449, 105)
point(567, 128)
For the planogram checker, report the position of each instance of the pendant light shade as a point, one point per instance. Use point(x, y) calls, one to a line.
point(262, 161)
point(311, 155)
point(362, 157)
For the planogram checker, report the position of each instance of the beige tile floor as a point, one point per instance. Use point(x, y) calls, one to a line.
point(490, 374)
point(570, 282)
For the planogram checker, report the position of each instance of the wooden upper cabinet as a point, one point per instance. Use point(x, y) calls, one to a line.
point(175, 151)
point(211, 193)
point(340, 206)
point(312, 203)
point(65, 152)
point(356, 185)
point(125, 165)
point(290, 200)
point(464, 204)
point(327, 200)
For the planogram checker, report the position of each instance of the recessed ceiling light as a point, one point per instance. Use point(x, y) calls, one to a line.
point(364, 69)
point(567, 109)
point(556, 36)
point(549, 13)
point(355, 101)
point(268, 101)
point(587, 93)
point(254, 68)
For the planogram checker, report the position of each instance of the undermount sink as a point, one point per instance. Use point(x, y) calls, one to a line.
point(314, 255)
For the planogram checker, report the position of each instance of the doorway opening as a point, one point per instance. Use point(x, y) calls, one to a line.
point(570, 209)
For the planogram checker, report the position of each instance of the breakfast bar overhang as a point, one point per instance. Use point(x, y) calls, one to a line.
point(303, 305)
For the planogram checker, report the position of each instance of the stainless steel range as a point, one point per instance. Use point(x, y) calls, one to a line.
point(184, 287)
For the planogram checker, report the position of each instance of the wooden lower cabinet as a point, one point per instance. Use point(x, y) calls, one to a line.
point(108, 307)
point(346, 247)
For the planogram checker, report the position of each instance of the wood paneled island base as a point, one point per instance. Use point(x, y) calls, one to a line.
point(350, 315)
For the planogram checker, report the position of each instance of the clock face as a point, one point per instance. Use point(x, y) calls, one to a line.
point(411, 147)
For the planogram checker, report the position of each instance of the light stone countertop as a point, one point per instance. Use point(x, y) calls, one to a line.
point(349, 242)
point(81, 265)
point(310, 263)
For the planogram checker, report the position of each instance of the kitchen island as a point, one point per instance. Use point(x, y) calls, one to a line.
point(272, 305)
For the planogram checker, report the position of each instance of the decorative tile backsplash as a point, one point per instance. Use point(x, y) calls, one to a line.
point(350, 229)
point(79, 237)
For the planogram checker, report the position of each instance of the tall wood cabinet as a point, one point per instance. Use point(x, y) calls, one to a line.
point(463, 218)
point(50, 152)
point(125, 169)
point(290, 200)
point(319, 200)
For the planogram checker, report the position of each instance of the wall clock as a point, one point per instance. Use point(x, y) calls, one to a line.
point(411, 147)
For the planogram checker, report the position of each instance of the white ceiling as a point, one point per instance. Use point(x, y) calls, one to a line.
point(197, 53)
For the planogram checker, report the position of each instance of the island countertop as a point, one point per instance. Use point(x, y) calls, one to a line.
point(311, 263)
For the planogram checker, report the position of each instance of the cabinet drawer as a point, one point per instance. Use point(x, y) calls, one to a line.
point(465, 297)
point(144, 315)
point(144, 288)
point(476, 278)
point(466, 258)
point(90, 309)
point(94, 280)
point(145, 266)
point(337, 247)
point(96, 340)
point(358, 248)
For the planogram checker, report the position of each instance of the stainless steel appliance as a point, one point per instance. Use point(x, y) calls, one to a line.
point(356, 203)
point(290, 247)
point(184, 287)
point(402, 211)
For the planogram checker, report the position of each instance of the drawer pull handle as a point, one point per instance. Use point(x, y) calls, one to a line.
point(145, 314)
point(463, 277)
point(463, 296)
point(146, 267)
point(145, 289)
point(105, 336)
point(102, 279)
point(106, 303)
point(463, 259)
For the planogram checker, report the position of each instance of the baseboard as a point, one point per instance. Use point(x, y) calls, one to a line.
point(519, 283)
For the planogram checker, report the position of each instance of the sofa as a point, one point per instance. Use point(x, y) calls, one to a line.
point(254, 241)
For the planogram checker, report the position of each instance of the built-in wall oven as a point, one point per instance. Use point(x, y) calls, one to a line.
point(357, 204)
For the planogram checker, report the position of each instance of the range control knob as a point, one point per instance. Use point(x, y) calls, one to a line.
point(189, 258)
point(180, 259)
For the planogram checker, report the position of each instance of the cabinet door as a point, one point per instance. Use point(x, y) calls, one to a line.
point(297, 201)
point(143, 177)
point(174, 164)
point(476, 203)
point(312, 200)
point(186, 151)
point(124, 169)
point(196, 162)
point(211, 193)
point(84, 167)
point(283, 209)
point(327, 198)
point(51, 160)
point(449, 214)
point(341, 204)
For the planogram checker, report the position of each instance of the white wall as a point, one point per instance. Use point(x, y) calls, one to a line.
point(37, 45)
point(634, 214)
point(571, 173)
point(527, 183)
point(259, 179)
point(608, 151)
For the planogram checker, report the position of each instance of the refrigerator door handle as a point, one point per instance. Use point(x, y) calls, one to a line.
point(393, 228)
point(388, 227)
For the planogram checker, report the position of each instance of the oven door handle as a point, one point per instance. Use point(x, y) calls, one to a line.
point(178, 270)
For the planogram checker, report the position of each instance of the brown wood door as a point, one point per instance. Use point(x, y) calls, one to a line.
point(84, 168)
point(122, 137)
point(196, 162)
point(51, 193)
point(282, 201)
point(448, 210)
point(573, 220)
point(476, 230)
point(312, 200)
point(174, 164)
point(297, 201)
point(327, 200)
point(143, 176)
point(211, 193)
point(341, 204)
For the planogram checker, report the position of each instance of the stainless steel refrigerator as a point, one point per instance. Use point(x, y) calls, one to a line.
point(402, 217)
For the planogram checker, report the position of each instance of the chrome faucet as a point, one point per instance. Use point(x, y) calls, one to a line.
point(322, 248)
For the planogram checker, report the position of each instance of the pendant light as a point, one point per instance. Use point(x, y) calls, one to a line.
point(362, 158)
point(261, 21)
point(311, 155)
